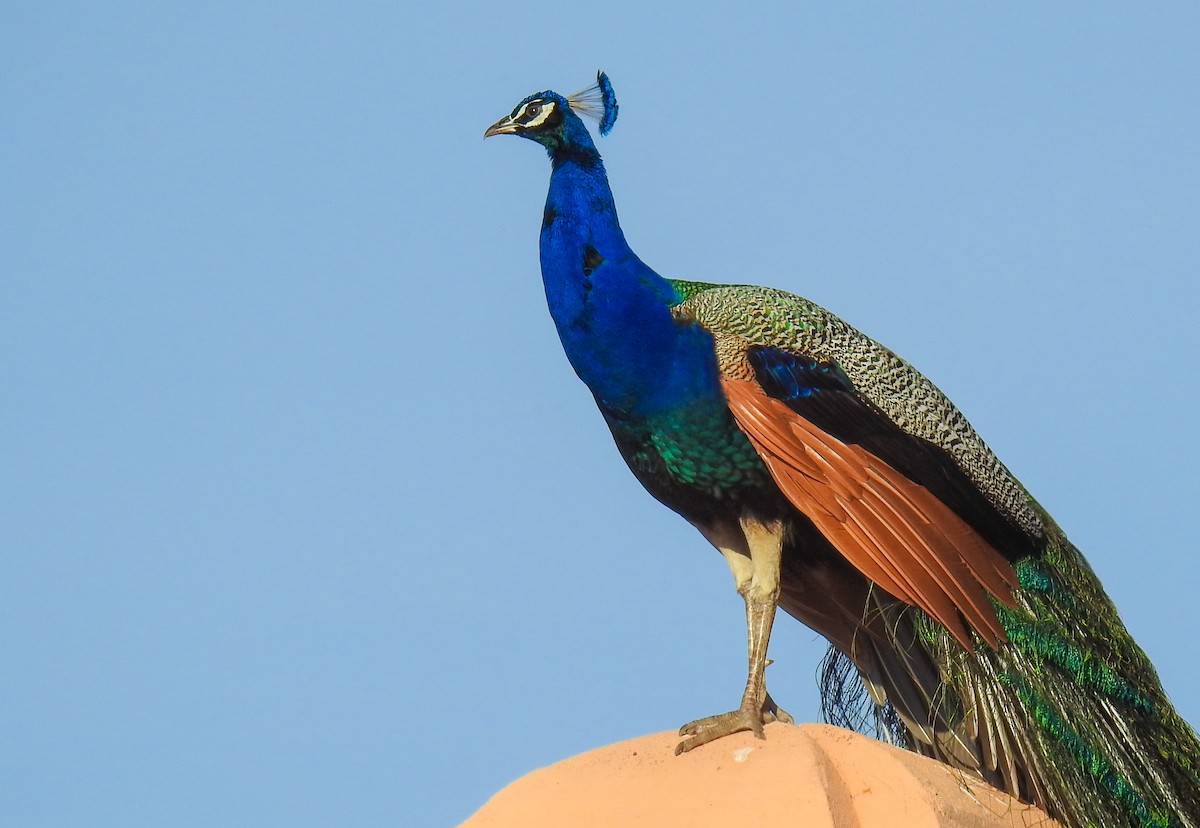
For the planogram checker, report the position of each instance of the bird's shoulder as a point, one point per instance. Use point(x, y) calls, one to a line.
point(756, 316)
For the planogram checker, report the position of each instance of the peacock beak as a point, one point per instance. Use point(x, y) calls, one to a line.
point(505, 126)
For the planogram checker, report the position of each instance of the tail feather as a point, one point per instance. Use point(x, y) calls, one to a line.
point(1069, 714)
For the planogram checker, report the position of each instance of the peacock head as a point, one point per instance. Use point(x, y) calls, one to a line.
point(553, 120)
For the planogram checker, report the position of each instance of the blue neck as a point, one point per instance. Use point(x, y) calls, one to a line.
point(611, 310)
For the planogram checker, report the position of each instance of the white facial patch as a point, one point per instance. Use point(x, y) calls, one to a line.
point(543, 110)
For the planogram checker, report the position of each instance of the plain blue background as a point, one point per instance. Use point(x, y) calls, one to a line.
point(305, 519)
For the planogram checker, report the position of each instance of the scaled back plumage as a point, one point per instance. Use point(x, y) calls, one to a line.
point(841, 485)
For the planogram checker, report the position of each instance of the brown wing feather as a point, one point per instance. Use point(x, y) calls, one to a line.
point(891, 529)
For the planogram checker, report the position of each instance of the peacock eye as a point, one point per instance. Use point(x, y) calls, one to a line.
point(532, 110)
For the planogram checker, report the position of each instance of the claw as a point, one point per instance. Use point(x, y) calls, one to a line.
point(711, 728)
point(774, 713)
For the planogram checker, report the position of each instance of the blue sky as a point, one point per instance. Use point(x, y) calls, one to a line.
point(306, 520)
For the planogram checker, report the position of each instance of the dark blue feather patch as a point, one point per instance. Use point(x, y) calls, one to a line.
point(610, 103)
point(788, 376)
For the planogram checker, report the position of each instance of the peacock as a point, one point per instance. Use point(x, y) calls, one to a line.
point(840, 484)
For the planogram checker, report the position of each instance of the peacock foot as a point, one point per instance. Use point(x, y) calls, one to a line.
point(747, 717)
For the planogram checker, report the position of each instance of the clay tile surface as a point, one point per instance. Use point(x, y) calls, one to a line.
point(815, 776)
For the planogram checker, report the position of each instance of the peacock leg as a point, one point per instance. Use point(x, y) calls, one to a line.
point(757, 578)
